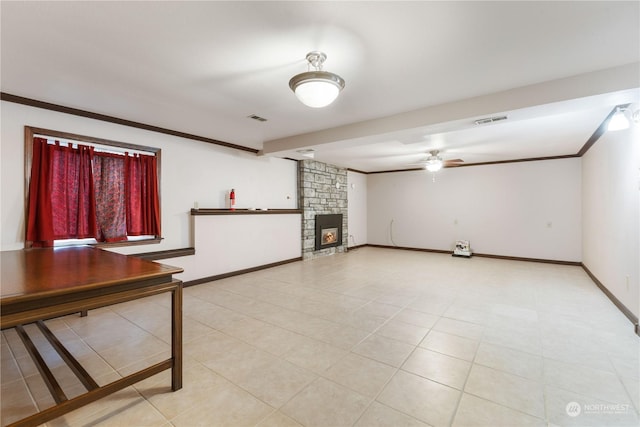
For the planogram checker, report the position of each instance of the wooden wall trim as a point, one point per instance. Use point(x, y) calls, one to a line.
point(407, 248)
point(629, 315)
point(541, 260)
point(497, 162)
point(357, 171)
point(68, 136)
point(530, 159)
point(480, 255)
point(239, 272)
point(169, 253)
point(124, 122)
point(196, 212)
point(396, 170)
point(111, 119)
point(352, 248)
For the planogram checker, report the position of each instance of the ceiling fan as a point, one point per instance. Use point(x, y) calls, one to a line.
point(434, 162)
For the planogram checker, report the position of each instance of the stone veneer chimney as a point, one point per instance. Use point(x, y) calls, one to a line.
point(323, 190)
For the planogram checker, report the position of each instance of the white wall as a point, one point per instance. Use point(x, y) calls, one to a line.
point(611, 213)
point(226, 243)
point(357, 216)
point(191, 172)
point(528, 209)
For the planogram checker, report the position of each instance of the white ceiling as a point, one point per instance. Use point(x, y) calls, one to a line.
point(417, 73)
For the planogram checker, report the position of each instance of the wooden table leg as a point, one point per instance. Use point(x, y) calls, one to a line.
point(176, 338)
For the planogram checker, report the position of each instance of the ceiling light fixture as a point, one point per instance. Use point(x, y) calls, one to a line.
point(316, 88)
point(434, 163)
point(618, 121)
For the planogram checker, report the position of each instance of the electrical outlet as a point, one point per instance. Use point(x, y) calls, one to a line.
point(195, 205)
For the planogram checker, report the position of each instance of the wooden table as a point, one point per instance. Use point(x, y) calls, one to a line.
point(40, 284)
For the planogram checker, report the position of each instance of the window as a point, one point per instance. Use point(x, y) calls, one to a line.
point(87, 190)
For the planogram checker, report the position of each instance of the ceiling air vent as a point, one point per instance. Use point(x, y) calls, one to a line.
point(258, 118)
point(490, 120)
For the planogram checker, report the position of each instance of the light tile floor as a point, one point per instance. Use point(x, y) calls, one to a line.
point(375, 337)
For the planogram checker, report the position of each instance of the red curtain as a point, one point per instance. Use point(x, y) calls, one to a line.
point(61, 198)
point(72, 194)
point(39, 220)
point(77, 193)
point(109, 182)
point(143, 205)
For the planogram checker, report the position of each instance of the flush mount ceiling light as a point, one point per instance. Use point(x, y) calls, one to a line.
point(316, 88)
point(618, 121)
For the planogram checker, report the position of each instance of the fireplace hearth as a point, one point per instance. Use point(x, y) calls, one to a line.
point(328, 231)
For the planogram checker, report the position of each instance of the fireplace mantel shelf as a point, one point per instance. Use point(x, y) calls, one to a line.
point(244, 211)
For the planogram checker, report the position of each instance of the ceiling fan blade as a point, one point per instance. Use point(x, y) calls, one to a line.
point(452, 163)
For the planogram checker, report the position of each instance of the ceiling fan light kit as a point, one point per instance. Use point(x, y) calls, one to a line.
point(433, 162)
point(316, 88)
point(433, 165)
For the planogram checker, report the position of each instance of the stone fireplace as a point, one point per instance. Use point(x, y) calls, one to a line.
point(322, 189)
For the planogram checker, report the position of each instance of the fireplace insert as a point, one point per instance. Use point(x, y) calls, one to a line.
point(328, 231)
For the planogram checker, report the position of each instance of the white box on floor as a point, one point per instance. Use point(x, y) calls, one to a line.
point(462, 248)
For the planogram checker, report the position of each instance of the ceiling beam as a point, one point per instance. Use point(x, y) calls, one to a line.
point(610, 80)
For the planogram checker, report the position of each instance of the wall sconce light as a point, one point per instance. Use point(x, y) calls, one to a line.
point(618, 121)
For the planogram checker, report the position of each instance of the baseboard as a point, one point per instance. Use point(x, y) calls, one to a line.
point(238, 272)
point(623, 308)
point(407, 248)
point(475, 254)
point(351, 248)
point(542, 260)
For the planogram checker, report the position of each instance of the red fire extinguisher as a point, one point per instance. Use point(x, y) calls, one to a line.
point(232, 199)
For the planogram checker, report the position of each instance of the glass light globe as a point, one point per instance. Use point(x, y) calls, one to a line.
point(317, 94)
point(618, 121)
point(434, 166)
